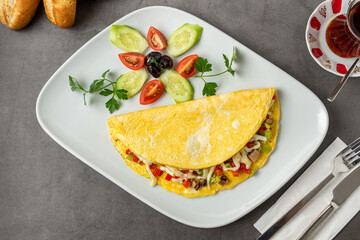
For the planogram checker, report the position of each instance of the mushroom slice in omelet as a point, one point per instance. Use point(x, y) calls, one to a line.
point(199, 147)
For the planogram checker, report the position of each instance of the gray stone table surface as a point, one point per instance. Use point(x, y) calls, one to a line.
point(46, 193)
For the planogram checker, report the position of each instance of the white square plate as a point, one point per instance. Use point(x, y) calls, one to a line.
point(83, 131)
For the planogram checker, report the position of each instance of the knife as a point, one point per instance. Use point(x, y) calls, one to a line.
point(340, 193)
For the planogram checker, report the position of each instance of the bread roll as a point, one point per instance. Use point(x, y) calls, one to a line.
point(61, 12)
point(16, 14)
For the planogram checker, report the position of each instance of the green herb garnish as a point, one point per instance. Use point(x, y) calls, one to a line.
point(202, 65)
point(129, 157)
point(268, 133)
point(98, 85)
point(152, 60)
point(199, 172)
point(228, 165)
point(214, 179)
point(265, 148)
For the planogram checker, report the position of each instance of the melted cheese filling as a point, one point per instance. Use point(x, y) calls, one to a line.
point(179, 176)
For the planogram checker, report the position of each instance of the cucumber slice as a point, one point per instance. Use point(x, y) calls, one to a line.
point(127, 39)
point(178, 87)
point(132, 81)
point(183, 39)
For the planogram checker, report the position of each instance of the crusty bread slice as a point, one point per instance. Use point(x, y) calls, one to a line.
point(61, 12)
point(16, 14)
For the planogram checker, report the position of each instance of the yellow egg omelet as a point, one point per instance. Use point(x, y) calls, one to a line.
point(197, 134)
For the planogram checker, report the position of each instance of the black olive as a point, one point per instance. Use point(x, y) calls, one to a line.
point(154, 55)
point(223, 180)
point(166, 62)
point(202, 182)
point(154, 70)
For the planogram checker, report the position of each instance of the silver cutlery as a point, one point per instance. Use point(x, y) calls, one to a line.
point(343, 162)
point(340, 193)
point(342, 82)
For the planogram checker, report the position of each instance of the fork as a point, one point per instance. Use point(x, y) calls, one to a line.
point(343, 162)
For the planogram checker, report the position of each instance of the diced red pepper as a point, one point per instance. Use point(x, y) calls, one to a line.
point(168, 177)
point(218, 167)
point(242, 167)
point(176, 177)
point(135, 159)
point(129, 152)
point(232, 164)
point(267, 116)
point(157, 172)
point(235, 173)
point(185, 171)
point(152, 166)
point(274, 97)
point(247, 171)
point(186, 183)
point(250, 144)
point(194, 173)
point(218, 172)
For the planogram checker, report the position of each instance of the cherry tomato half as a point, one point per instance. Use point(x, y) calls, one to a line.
point(155, 39)
point(186, 67)
point(134, 61)
point(151, 92)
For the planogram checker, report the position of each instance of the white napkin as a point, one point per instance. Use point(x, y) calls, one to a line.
point(320, 169)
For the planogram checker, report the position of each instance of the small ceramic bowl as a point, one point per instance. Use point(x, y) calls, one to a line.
point(316, 41)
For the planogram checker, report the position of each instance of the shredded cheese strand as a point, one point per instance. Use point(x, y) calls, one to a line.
point(258, 137)
point(152, 177)
point(256, 146)
point(147, 166)
point(272, 102)
point(176, 172)
point(236, 159)
point(165, 169)
point(245, 159)
point(178, 180)
point(209, 176)
point(205, 172)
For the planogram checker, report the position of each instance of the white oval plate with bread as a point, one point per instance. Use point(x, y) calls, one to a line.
point(83, 130)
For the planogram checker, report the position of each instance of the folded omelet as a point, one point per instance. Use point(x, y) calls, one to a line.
point(199, 147)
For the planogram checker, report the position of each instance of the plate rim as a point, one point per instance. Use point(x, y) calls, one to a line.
point(267, 195)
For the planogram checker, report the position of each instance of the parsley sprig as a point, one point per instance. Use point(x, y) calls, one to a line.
point(202, 66)
point(105, 90)
point(153, 60)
